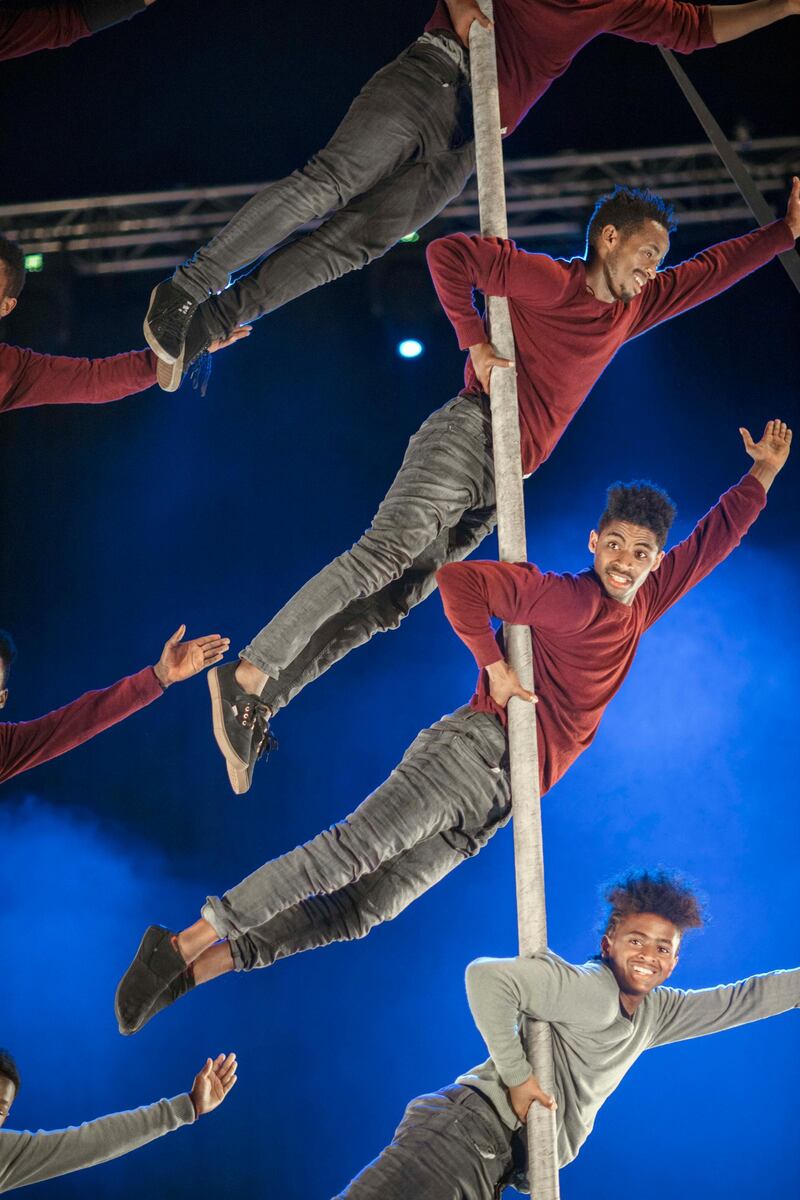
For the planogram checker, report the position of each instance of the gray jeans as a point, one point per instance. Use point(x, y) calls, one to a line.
point(402, 152)
point(450, 1145)
point(438, 509)
point(440, 805)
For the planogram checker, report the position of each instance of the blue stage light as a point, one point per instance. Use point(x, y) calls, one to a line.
point(410, 348)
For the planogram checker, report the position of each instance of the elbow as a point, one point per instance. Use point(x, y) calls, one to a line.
point(446, 576)
point(476, 975)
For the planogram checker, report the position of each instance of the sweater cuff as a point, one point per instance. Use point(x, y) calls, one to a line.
point(148, 685)
point(470, 332)
point(753, 488)
point(486, 650)
point(706, 39)
point(100, 14)
point(779, 236)
point(516, 1075)
point(183, 1107)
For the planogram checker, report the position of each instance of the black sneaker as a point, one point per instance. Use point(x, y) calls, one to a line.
point(156, 964)
point(241, 726)
point(194, 358)
point(172, 992)
point(167, 320)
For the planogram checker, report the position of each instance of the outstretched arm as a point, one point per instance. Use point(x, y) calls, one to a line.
point(28, 379)
point(27, 1158)
point(722, 529)
point(683, 1015)
point(732, 21)
point(30, 743)
point(678, 289)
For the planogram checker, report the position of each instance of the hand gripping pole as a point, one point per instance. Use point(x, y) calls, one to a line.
point(524, 758)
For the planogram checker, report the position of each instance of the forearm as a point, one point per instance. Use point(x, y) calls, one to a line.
point(764, 474)
point(27, 1158)
point(474, 592)
point(732, 21)
point(28, 379)
point(30, 743)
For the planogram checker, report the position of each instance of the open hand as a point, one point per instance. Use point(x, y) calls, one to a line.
point(180, 660)
point(793, 207)
point(484, 359)
point(773, 449)
point(212, 1084)
point(221, 343)
point(462, 14)
point(528, 1093)
point(504, 683)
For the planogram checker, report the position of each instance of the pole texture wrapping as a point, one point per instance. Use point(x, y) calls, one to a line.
point(523, 751)
point(751, 193)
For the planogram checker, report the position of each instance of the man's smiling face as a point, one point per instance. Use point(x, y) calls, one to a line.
point(624, 555)
point(642, 951)
point(632, 259)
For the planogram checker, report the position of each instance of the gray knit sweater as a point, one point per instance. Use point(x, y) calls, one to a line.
point(31, 1157)
point(594, 1041)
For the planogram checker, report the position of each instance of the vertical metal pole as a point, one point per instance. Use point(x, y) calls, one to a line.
point(523, 751)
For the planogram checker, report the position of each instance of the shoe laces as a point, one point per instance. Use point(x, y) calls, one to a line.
point(254, 714)
point(200, 372)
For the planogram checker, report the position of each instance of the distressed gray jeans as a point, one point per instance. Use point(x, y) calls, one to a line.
point(402, 152)
point(440, 805)
point(438, 509)
point(450, 1145)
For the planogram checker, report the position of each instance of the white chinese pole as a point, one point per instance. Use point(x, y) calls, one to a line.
point(523, 752)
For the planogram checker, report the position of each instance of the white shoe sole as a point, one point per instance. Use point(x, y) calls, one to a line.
point(237, 770)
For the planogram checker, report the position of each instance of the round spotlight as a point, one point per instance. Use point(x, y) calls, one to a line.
point(410, 348)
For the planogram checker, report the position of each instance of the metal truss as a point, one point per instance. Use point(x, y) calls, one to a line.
point(548, 199)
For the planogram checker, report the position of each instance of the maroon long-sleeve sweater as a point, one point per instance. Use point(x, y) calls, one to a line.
point(584, 641)
point(28, 379)
point(25, 30)
point(564, 336)
point(30, 743)
point(538, 39)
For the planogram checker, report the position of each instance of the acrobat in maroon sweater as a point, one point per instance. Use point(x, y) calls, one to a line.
point(28, 379)
point(29, 743)
point(584, 641)
point(49, 26)
point(564, 336)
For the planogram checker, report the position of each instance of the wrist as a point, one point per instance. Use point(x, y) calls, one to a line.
point(764, 474)
point(161, 674)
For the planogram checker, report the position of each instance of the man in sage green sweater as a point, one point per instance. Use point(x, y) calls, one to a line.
point(31, 1157)
point(467, 1140)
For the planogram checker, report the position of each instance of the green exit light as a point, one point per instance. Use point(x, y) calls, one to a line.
point(410, 237)
point(34, 262)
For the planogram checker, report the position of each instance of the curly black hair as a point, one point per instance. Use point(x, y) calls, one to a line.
point(627, 208)
point(639, 502)
point(9, 1069)
point(12, 258)
point(665, 893)
point(8, 652)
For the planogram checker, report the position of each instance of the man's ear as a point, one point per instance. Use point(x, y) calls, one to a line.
point(3, 697)
point(658, 562)
point(605, 945)
point(7, 305)
point(609, 238)
point(594, 537)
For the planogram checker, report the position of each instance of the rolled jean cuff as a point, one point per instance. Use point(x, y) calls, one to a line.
point(251, 656)
point(212, 911)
